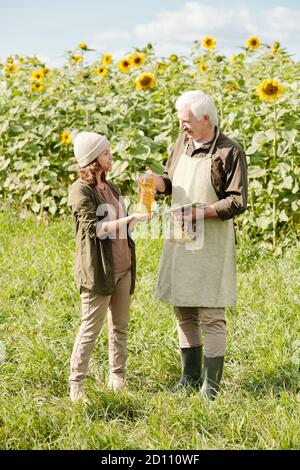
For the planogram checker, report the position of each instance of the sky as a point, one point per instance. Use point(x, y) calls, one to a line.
point(49, 28)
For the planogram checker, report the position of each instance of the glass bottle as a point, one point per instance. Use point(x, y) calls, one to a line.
point(146, 194)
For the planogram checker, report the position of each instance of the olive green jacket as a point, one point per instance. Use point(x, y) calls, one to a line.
point(94, 268)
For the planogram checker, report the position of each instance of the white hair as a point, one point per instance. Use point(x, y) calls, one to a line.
point(199, 103)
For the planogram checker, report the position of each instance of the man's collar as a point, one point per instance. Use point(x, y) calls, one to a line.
point(205, 146)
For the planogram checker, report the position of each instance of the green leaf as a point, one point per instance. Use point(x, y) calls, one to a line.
point(263, 222)
point(290, 136)
point(231, 117)
point(287, 183)
point(26, 196)
point(283, 216)
point(156, 167)
point(4, 163)
point(256, 172)
point(36, 207)
point(4, 127)
point(51, 177)
point(119, 167)
point(16, 129)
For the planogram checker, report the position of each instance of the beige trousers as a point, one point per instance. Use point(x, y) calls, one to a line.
point(191, 321)
point(94, 308)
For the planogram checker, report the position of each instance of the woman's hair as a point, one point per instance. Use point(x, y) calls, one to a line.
point(88, 173)
point(200, 105)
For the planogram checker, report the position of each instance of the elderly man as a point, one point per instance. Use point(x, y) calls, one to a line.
point(209, 168)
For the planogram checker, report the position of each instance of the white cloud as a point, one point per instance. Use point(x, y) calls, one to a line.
point(110, 35)
point(230, 26)
point(175, 31)
point(283, 19)
point(165, 49)
point(105, 41)
point(194, 20)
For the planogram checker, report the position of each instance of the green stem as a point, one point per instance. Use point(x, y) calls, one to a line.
point(221, 109)
point(274, 224)
point(275, 160)
point(275, 135)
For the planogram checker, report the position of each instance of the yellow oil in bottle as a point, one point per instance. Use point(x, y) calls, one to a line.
point(146, 194)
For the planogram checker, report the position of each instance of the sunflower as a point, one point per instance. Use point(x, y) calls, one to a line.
point(65, 138)
point(9, 69)
point(233, 59)
point(83, 46)
point(107, 59)
point(38, 75)
point(145, 80)
point(275, 47)
point(76, 59)
point(231, 87)
point(137, 59)
point(125, 64)
point(269, 90)
point(161, 67)
point(253, 42)
point(202, 67)
point(102, 71)
point(37, 86)
point(173, 58)
point(45, 70)
point(10, 60)
point(209, 43)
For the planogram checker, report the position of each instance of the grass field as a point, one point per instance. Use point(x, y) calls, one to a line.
point(258, 407)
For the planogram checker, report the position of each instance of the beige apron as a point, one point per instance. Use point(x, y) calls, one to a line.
point(204, 277)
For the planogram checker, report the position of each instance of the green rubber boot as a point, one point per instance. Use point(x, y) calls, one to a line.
point(212, 374)
point(191, 373)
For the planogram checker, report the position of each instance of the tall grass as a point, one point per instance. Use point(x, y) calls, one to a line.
point(258, 407)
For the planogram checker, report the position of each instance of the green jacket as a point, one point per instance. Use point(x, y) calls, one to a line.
point(94, 267)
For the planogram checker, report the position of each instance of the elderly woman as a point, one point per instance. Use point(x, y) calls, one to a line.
point(105, 263)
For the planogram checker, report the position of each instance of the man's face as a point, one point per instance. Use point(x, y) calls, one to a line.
point(105, 160)
point(196, 129)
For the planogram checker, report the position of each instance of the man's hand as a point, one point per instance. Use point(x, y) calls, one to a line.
point(185, 216)
point(210, 212)
point(158, 181)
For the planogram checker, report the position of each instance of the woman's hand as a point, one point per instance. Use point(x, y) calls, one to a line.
point(140, 217)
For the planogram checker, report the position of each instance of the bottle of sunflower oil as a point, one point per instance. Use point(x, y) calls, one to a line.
point(146, 193)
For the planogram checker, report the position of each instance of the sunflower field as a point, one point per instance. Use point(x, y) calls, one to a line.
point(132, 102)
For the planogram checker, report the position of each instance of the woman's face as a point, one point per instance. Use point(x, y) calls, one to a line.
point(105, 160)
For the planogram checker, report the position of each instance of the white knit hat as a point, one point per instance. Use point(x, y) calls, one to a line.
point(88, 146)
